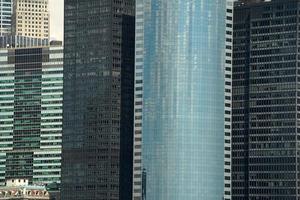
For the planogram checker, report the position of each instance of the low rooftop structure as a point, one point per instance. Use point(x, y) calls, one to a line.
point(16, 41)
point(19, 189)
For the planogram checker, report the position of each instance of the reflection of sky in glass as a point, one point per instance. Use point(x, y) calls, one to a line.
point(183, 126)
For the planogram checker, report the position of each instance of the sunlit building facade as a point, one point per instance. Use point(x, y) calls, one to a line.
point(30, 18)
point(179, 100)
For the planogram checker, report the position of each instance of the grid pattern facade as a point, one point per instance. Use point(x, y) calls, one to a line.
point(5, 17)
point(179, 97)
point(138, 101)
point(15, 41)
point(31, 114)
point(228, 100)
point(98, 100)
point(30, 18)
point(265, 101)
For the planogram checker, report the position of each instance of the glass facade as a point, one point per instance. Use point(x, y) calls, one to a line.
point(98, 100)
point(179, 99)
point(265, 111)
point(16, 41)
point(5, 17)
point(31, 114)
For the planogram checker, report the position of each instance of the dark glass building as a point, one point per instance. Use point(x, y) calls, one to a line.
point(265, 120)
point(98, 101)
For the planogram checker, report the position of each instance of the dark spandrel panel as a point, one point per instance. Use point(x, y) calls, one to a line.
point(28, 70)
point(19, 165)
point(92, 101)
point(127, 107)
point(11, 56)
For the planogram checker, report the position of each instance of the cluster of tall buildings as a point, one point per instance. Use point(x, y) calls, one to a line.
point(152, 99)
point(98, 99)
point(31, 93)
point(24, 23)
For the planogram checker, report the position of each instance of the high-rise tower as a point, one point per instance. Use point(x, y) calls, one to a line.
point(30, 18)
point(265, 112)
point(179, 100)
point(98, 100)
point(31, 114)
point(5, 14)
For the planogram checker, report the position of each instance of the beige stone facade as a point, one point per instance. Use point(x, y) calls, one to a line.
point(31, 18)
point(18, 189)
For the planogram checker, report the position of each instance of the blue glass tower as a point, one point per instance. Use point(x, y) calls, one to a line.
point(179, 99)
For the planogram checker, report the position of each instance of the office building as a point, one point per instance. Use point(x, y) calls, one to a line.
point(98, 100)
point(30, 18)
point(265, 105)
point(5, 17)
point(179, 100)
point(31, 87)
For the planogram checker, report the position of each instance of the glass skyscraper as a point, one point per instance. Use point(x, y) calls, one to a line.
point(98, 100)
point(31, 87)
point(179, 100)
point(5, 17)
point(265, 100)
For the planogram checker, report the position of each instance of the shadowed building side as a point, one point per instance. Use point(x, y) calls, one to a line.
point(98, 100)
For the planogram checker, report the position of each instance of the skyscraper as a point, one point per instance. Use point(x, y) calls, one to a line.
point(98, 100)
point(5, 20)
point(30, 18)
point(265, 121)
point(179, 100)
point(31, 114)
